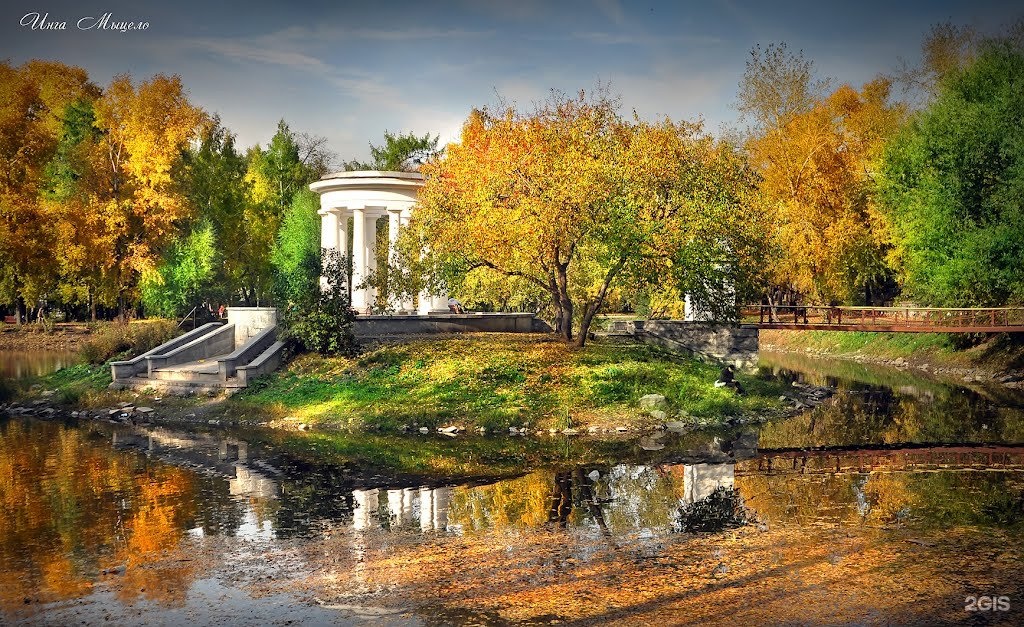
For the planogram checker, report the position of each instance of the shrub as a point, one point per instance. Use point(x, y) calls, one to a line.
point(113, 339)
point(150, 334)
point(320, 318)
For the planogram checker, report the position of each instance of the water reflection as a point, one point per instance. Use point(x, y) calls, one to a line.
point(878, 405)
point(78, 502)
point(24, 364)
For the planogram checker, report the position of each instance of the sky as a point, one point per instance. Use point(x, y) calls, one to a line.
point(348, 71)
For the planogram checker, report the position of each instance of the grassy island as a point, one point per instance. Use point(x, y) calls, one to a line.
point(483, 380)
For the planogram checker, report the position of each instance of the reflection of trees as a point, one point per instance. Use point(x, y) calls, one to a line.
point(880, 416)
point(71, 506)
point(561, 499)
point(623, 499)
point(933, 499)
point(520, 502)
point(311, 496)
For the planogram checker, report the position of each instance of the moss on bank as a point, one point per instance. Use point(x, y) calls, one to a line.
point(498, 380)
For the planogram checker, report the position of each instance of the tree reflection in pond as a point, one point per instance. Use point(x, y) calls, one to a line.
point(72, 508)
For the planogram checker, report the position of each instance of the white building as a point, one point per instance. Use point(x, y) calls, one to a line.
point(355, 201)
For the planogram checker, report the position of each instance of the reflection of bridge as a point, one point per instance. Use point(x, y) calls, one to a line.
point(891, 319)
point(916, 459)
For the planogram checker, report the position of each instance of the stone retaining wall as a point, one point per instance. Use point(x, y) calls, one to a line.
point(377, 326)
point(720, 343)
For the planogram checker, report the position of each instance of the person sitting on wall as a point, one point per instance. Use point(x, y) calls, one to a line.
point(727, 379)
point(455, 306)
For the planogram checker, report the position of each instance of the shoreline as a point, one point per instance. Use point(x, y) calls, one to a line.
point(963, 366)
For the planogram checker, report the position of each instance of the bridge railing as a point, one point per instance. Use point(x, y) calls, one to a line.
point(923, 317)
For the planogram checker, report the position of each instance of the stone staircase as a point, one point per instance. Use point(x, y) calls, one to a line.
point(214, 357)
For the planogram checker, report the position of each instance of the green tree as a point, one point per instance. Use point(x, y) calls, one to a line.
point(320, 319)
point(185, 276)
point(400, 153)
point(296, 253)
point(953, 185)
point(213, 178)
point(274, 176)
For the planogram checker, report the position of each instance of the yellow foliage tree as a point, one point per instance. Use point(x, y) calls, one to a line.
point(816, 154)
point(575, 200)
point(144, 128)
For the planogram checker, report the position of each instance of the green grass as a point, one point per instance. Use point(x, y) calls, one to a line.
point(496, 381)
point(75, 384)
point(843, 342)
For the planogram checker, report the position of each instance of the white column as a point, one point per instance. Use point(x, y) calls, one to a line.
point(358, 258)
point(394, 220)
point(343, 246)
point(426, 509)
point(441, 498)
point(395, 508)
point(408, 495)
point(371, 254)
point(342, 232)
point(328, 235)
point(407, 304)
point(365, 514)
point(329, 229)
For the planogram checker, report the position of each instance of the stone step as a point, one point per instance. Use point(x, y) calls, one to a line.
point(178, 387)
point(185, 375)
point(204, 370)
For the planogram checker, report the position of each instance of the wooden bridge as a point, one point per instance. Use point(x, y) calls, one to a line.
point(887, 319)
point(902, 459)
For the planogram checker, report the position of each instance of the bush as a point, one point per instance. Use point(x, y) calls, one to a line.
point(150, 334)
point(113, 339)
point(320, 319)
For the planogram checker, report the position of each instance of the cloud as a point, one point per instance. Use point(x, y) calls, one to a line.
point(241, 51)
point(613, 39)
point(356, 83)
point(330, 33)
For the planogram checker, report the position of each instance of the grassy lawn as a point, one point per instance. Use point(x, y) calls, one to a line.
point(81, 384)
point(498, 380)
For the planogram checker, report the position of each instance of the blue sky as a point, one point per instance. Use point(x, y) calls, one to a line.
point(350, 70)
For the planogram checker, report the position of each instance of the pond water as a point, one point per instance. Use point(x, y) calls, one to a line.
point(24, 364)
point(895, 501)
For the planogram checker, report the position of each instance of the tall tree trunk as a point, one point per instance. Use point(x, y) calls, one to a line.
point(19, 311)
point(564, 302)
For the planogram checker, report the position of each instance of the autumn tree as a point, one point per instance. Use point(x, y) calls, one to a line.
point(815, 152)
point(36, 99)
point(144, 128)
point(574, 199)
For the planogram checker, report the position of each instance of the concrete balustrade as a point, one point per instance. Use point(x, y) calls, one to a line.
point(212, 344)
point(137, 365)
